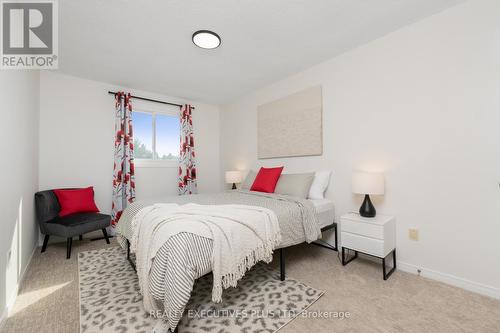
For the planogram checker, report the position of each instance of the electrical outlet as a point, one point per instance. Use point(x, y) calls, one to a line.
point(413, 234)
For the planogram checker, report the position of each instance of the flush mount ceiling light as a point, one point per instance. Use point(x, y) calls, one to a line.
point(206, 39)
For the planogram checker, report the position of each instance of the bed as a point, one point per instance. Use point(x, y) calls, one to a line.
point(185, 257)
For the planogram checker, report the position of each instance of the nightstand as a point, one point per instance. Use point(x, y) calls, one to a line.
point(372, 236)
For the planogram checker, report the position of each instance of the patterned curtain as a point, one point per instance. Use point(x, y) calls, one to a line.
point(187, 164)
point(123, 170)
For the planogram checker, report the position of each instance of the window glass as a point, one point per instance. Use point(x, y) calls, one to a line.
point(143, 135)
point(167, 137)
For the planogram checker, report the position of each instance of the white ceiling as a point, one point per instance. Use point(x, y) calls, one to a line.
point(147, 44)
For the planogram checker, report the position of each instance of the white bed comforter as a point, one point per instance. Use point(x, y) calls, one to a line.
point(186, 257)
point(242, 236)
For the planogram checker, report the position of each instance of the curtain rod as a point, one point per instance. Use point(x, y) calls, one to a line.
point(151, 100)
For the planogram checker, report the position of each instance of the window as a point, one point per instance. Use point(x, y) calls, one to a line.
point(156, 138)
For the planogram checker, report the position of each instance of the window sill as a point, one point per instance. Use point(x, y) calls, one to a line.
point(156, 164)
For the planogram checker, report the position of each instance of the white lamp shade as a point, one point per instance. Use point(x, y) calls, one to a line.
point(233, 177)
point(368, 183)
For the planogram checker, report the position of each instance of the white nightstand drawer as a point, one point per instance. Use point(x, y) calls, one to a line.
point(367, 245)
point(363, 229)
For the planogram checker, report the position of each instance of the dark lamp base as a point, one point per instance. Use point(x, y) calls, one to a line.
point(367, 209)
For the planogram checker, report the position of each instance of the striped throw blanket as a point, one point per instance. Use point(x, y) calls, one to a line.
point(242, 236)
point(185, 257)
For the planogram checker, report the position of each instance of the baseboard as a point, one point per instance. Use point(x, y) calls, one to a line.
point(3, 318)
point(10, 302)
point(450, 279)
point(8, 306)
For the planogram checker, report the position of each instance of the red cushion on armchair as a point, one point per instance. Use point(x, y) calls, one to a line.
point(266, 180)
point(76, 201)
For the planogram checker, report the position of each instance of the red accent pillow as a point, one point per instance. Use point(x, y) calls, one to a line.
point(266, 180)
point(76, 201)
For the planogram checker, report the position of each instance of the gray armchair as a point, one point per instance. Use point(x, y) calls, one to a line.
point(47, 211)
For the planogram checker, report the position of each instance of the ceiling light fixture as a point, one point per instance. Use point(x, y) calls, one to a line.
point(206, 39)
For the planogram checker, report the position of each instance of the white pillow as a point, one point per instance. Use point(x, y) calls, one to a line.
point(319, 185)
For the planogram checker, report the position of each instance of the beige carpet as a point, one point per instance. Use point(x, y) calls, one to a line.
point(48, 300)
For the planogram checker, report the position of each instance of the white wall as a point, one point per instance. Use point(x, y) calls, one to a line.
point(19, 105)
point(423, 105)
point(76, 140)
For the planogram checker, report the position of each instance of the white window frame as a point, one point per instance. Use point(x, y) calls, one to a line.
point(156, 163)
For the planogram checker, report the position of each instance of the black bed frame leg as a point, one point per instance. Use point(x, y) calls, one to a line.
point(128, 256)
point(69, 241)
point(282, 264)
point(128, 249)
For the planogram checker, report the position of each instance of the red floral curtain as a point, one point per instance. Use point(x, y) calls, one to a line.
point(123, 170)
point(187, 164)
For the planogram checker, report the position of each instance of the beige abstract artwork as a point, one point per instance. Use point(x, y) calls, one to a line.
point(291, 126)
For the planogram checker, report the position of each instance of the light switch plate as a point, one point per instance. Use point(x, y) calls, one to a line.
point(413, 234)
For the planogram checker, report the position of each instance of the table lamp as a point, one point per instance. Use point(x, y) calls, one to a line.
point(233, 177)
point(367, 183)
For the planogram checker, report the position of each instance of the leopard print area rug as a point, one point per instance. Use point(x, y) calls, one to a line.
point(110, 300)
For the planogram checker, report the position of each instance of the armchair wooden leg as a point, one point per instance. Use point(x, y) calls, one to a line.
point(68, 247)
point(80, 237)
point(45, 241)
point(105, 233)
